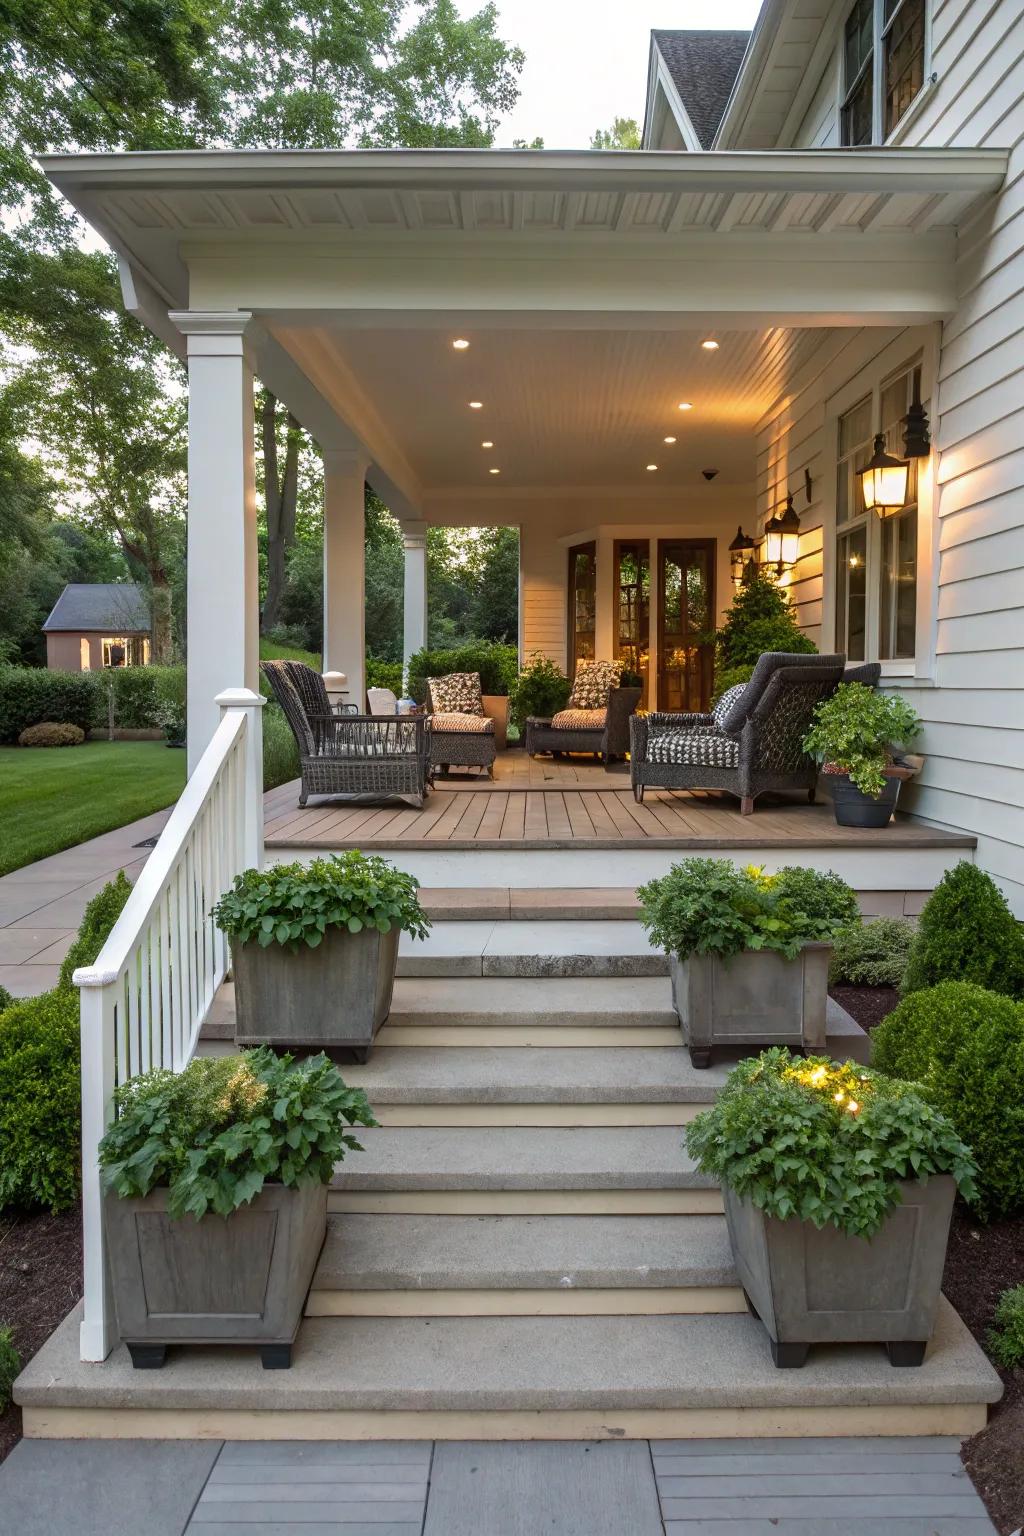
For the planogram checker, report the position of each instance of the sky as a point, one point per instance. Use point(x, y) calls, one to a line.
point(586, 60)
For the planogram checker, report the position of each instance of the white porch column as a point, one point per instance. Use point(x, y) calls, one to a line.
point(223, 580)
point(344, 569)
point(414, 539)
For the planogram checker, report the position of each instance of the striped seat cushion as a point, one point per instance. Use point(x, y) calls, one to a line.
point(467, 725)
point(697, 749)
point(579, 720)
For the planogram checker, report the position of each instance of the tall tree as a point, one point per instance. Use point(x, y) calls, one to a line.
point(623, 134)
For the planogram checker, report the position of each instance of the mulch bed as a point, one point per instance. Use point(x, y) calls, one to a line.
point(40, 1281)
point(981, 1263)
point(868, 1006)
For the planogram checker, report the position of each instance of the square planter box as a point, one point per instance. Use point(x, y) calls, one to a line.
point(334, 997)
point(496, 709)
point(811, 1286)
point(240, 1279)
point(752, 999)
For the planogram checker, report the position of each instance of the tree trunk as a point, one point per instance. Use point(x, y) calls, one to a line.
point(160, 636)
point(282, 493)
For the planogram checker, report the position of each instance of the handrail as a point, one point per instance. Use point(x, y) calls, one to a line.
point(144, 1001)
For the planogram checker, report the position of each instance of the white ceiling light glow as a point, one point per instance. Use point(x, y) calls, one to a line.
point(684, 405)
point(709, 346)
point(495, 471)
point(487, 445)
point(670, 439)
point(652, 466)
point(476, 405)
point(460, 344)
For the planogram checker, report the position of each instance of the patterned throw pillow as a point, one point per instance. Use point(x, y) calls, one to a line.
point(725, 704)
point(594, 680)
point(466, 725)
point(695, 749)
point(579, 720)
point(457, 694)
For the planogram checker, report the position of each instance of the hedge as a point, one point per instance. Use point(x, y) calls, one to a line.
point(33, 695)
point(498, 666)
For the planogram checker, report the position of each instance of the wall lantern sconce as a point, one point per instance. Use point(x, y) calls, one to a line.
point(741, 551)
point(782, 539)
point(884, 481)
point(917, 443)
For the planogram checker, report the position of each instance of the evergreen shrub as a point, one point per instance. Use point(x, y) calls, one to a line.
point(966, 932)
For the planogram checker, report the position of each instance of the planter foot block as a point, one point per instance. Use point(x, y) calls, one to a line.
point(147, 1357)
point(699, 1057)
point(906, 1351)
point(276, 1357)
point(789, 1357)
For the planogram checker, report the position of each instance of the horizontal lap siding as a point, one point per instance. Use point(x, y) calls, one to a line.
point(543, 576)
point(974, 737)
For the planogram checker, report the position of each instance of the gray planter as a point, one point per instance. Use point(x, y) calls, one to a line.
point(240, 1279)
point(334, 997)
point(811, 1286)
point(752, 999)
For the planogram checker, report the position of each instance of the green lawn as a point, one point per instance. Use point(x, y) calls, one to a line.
point(271, 651)
point(56, 797)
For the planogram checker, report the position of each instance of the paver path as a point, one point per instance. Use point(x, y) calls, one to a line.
point(897, 1487)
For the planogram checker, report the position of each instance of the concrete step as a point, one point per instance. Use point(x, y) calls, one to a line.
point(410, 1085)
point(497, 1170)
point(543, 948)
point(501, 904)
point(513, 1011)
point(460, 1266)
point(512, 1377)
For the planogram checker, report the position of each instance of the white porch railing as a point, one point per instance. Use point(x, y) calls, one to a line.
point(144, 1001)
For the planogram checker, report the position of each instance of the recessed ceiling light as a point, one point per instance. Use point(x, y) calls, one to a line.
point(709, 345)
point(488, 444)
point(670, 439)
point(476, 405)
point(495, 471)
point(652, 466)
point(684, 405)
point(461, 344)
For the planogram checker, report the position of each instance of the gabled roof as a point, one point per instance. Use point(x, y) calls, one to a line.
point(115, 607)
point(703, 66)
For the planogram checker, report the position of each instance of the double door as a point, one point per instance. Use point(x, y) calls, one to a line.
point(686, 619)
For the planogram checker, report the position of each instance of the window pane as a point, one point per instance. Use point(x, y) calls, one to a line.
point(858, 38)
point(582, 602)
point(634, 608)
point(851, 592)
point(904, 61)
point(898, 612)
point(857, 114)
point(855, 426)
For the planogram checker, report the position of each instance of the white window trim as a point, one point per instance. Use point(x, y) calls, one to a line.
point(898, 355)
point(878, 76)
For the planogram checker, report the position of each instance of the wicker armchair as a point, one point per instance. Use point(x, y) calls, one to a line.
point(349, 754)
point(755, 742)
point(610, 740)
point(459, 736)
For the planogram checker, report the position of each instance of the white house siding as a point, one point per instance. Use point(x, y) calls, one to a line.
point(820, 126)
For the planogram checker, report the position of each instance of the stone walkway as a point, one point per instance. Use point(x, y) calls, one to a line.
point(42, 904)
point(897, 1487)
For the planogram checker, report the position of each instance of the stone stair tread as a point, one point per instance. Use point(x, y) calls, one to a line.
point(531, 948)
point(420, 1252)
point(410, 1074)
point(584, 1000)
point(505, 1157)
point(487, 1364)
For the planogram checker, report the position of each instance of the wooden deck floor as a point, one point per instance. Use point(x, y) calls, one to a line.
point(561, 817)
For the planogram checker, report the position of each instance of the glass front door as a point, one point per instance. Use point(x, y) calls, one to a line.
point(633, 607)
point(582, 604)
point(686, 616)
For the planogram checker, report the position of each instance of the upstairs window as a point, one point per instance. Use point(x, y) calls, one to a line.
point(883, 67)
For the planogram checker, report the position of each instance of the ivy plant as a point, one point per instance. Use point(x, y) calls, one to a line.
point(215, 1133)
point(710, 907)
point(855, 730)
point(297, 904)
point(825, 1142)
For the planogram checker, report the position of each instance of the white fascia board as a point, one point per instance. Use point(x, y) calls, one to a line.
point(661, 84)
point(918, 169)
point(751, 70)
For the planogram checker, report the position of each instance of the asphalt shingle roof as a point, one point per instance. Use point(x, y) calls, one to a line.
point(703, 66)
point(116, 607)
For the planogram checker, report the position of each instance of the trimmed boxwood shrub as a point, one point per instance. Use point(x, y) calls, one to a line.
point(32, 695)
point(51, 733)
point(872, 954)
point(10, 1365)
point(496, 664)
point(966, 932)
point(1006, 1336)
point(40, 1090)
point(965, 1046)
point(384, 674)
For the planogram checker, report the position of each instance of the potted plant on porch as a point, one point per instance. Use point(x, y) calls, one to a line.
point(314, 948)
point(854, 736)
point(748, 952)
point(838, 1186)
point(216, 1203)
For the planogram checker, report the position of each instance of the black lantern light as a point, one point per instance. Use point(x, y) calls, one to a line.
point(884, 481)
point(741, 552)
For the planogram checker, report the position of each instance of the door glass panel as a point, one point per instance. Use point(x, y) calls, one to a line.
point(633, 594)
point(582, 603)
point(686, 606)
point(851, 592)
point(898, 611)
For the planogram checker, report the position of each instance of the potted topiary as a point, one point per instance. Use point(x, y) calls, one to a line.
point(838, 1187)
point(314, 949)
point(748, 952)
point(540, 691)
point(853, 736)
point(216, 1199)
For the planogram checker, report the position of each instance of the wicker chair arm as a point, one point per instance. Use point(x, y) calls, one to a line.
point(682, 722)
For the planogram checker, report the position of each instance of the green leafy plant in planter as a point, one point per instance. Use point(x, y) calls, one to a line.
point(305, 936)
point(748, 952)
point(217, 1132)
point(854, 732)
point(814, 1156)
point(709, 906)
point(541, 689)
point(259, 1131)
